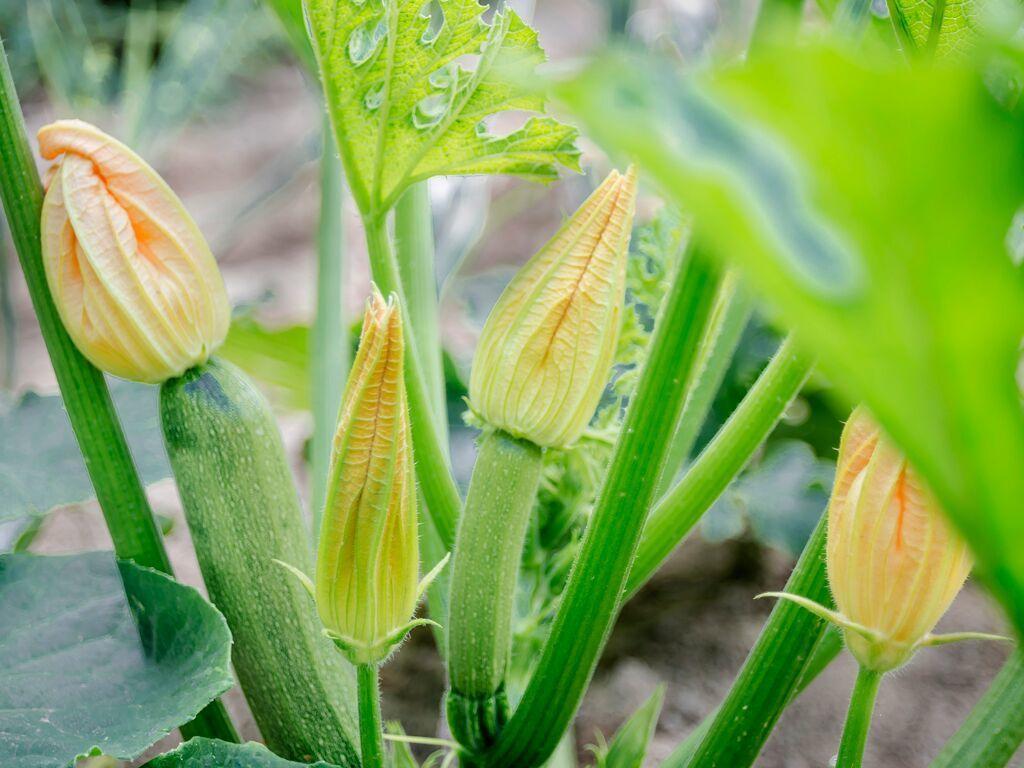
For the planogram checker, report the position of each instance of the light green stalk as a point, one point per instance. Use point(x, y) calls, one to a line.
point(86, 398)
point(858, 718)
point(591, 599)
point(414, 249)
point(329, 340)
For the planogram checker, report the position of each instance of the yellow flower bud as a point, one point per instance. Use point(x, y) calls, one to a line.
point(546, 350)
point(366, 570)
point(894, 564)
point(130, 273)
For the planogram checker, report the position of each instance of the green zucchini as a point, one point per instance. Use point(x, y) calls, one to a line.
point(243, 512)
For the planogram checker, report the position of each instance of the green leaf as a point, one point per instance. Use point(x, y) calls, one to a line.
point(629, 746)
point(41, 465)
point(101, 656)
point(277, 357)
point(210, 753)
point(943, 26)
point(405, 110)
point(851, 194)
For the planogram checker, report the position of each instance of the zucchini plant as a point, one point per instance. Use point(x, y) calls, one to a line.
point(852, 187)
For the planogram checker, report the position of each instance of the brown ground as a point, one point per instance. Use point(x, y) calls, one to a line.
point(691, 628)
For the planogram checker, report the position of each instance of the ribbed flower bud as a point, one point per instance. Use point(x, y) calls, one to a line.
point(366, 570)
point(894, 564)
point(546, 350)
point(130, 273)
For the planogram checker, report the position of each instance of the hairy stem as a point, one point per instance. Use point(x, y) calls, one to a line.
point(371, 735)
point(592, 595)
point(329, 335)
point(432, 468)
point(485, 570)
point(858, 718)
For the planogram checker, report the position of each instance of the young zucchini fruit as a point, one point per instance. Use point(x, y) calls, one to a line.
point(243, 513)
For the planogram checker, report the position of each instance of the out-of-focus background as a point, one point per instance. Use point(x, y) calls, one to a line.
point(209, 92)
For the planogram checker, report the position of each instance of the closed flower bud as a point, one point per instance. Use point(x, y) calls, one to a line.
point(546, 350)
point(366, 571)
point(894, 564)
point(130, 273)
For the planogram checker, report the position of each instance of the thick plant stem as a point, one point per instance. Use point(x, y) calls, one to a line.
point(994, 730)
point(414, 249)
point(485, 569)
point(753, 420)
point(330, 335)
point(592, 595)
point(243, 512)
point(432, 469)
point(858, 718)
point(82, 387)
point(773, 672)
point(733, 307)
point(371, 735)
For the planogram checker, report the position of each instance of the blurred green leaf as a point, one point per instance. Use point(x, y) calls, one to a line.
point(943, 26)
point(101, 657)
point(780, 499)
point(630, 743)
point(277, 358)
point(871, 202)
point(41, 466)
point(404, 109)
point(210, 753)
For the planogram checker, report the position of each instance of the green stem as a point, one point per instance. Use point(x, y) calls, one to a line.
point(414, 249)
point(485, 569)
point(8, 321)
point(432, 468)
point(592, 595)
point(733, 307)
point(781, 662)
point(994, 730)
point(86, 398)
point(858, 718)
point(753, 420)
point(371, 734)
point(330, 334)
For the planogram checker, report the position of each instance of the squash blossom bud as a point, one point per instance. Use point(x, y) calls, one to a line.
point(894, 564)
point(131, 275)
point(368, 561)
point(546, 350)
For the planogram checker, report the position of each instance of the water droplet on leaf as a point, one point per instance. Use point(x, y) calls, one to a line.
point(430, 110)
point(365, 39)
